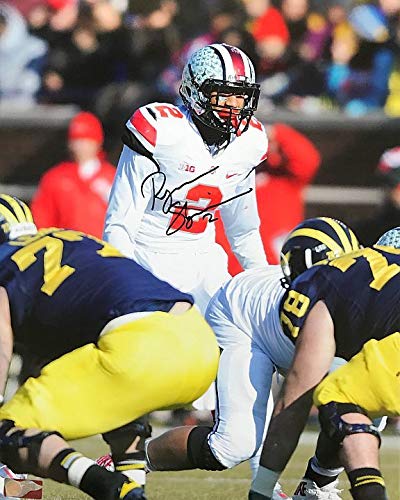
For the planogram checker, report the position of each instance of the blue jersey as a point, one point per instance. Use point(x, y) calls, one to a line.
point(361, 291)
point(64, 287)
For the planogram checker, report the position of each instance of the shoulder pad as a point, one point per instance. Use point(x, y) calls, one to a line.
point(165, 110)
point(260, 140)
point(145, 121)
point(143, 125)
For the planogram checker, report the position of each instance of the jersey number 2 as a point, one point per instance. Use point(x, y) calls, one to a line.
point(210, 194)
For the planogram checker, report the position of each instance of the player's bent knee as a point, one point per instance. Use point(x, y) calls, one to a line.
point(232, 452)
point(234, 442)
point(199, 452)
point(11, 442)
point(332, 424)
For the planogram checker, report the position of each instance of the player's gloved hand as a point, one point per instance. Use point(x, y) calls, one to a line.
point(257, 496)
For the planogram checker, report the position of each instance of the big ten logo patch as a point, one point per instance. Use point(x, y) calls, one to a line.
point(187, 168)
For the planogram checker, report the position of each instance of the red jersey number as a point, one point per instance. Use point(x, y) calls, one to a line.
point(196, 224)
point(166, 111)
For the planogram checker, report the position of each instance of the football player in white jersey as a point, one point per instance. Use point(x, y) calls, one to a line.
point(180, 164)
point(244, 314)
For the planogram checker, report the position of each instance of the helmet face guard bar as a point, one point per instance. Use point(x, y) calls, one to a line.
point(250, 91)
point(228, 118)
point(314, 241)
point(300, 260)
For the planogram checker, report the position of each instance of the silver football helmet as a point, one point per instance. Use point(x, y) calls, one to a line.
point(221, 70)
point(390, 239)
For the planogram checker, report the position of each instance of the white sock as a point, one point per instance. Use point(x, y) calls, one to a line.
point(316, 467)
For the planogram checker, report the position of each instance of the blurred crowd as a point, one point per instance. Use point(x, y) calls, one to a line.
point(108, 55)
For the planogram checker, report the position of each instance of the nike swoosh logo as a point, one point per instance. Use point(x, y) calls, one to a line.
point(230, 175)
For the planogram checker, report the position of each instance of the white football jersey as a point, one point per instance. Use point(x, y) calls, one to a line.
point(167, 196)
point(251, 302)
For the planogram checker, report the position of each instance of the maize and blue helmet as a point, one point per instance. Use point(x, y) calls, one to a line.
point(390, 239)
point(312, 241)
point(226, 70)
point(15, 219)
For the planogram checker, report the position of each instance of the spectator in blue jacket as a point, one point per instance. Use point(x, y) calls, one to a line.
point(22, 54)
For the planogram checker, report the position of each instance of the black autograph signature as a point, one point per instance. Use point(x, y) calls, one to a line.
point(180, 217)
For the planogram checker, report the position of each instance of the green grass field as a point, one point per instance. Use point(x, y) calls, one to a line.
point(227, 485)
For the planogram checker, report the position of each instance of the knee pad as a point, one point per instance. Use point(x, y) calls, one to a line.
point(11, 443)
point(199, 452)
point(120, 439)
point(332, 424)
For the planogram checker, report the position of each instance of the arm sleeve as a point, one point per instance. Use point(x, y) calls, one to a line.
point(241, 223)
point(302, 157)
point(44, 205)
point(128, 200)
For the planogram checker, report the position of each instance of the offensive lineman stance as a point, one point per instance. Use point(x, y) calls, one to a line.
point(118, 341)
point(347, 307)
point(244, 315)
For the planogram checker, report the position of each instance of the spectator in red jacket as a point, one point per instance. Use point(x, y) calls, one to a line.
point(74, 194)
point(291, 164)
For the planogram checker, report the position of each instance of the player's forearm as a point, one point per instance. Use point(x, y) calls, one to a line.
point(284, 431)
point(128, 200)
point(242, 226)
point(283, 435)
point(249, 250)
